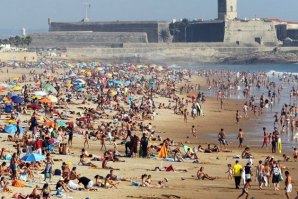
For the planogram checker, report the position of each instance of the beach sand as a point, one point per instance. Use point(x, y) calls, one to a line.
point(180, 185)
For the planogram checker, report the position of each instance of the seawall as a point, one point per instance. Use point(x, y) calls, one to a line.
point(185, 54)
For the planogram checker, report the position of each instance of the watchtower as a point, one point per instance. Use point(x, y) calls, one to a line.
point(227, 9)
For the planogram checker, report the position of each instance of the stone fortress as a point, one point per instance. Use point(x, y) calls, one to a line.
point(226, 29)
point(226, 39)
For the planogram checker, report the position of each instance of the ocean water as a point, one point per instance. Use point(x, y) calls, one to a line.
point(266, 120)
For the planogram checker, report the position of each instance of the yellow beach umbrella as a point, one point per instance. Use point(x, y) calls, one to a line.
point(36, 97)
point(17, 88)
point(11, 121)
point(68, 84)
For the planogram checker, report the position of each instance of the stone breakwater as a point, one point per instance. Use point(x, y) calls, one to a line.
point(186, 54)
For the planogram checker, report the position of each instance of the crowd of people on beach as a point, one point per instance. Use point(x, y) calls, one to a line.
point(115, 105)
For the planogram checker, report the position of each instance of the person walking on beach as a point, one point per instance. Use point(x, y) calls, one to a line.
point(222, 138)
point(260, 174)
point(245, 189)
point(265, 141)
point(237, 170)
point(276, 175)
point(288, 184)
point(241, 138)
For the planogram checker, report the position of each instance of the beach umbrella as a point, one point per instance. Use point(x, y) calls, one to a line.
point(34, 106)
point(11, 121)
point(79, 81)
point(5, 99)
point(61, 123)
point(17, 88)
point(81, 89)
point(40, 93)
point(12, 129)
point(49, 88)
point(72, 75)
point(33, 157)
point(45, 100)
point(49, 124)
point(4, 85)
point(53, 98)
point(36, 97)
point(12, 83)
point(17, 99)
point(9, 108)
point(118, 82)
point(68, 84)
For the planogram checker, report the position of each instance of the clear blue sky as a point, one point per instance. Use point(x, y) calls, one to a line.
point(33, 14)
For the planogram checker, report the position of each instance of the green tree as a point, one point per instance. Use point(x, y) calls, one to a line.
point(17, 41)
point(164, 35)
point(28, 40)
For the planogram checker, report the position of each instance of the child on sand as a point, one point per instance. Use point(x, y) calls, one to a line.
point(230, 172)
point(245, 189)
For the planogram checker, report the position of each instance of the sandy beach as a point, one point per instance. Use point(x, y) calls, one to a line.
point(168, 125)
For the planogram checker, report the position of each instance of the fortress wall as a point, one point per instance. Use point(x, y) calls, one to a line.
point(206, 32)
point(151, 28)
point(248, 31)
point(85, 39)
point(163, 54)
point(292, 33)
point(18, 56)
point(185, 45)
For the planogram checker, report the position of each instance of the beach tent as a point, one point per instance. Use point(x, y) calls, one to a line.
point(12, 129)
point(33, 157)
point(163, 152)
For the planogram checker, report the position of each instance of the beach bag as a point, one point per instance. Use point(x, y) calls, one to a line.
point(57, 172)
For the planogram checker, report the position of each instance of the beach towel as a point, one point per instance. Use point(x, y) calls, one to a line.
point(170, 168)
point(163, 152)
point(18, 183)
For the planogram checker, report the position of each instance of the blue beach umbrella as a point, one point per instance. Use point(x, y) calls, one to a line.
point(8, 108)
point(17, 99)
point(33, 157)
point(12, 129)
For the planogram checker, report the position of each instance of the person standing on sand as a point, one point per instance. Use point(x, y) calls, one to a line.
point(288, 184)
point(265, 141)
point(276, 175)
point(237, 117)
point(193, 130)
point(260, 174)
point(237, 170)
point(241, 138)
point(185, 114)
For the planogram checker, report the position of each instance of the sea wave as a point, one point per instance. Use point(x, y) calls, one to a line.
point(280, 73)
